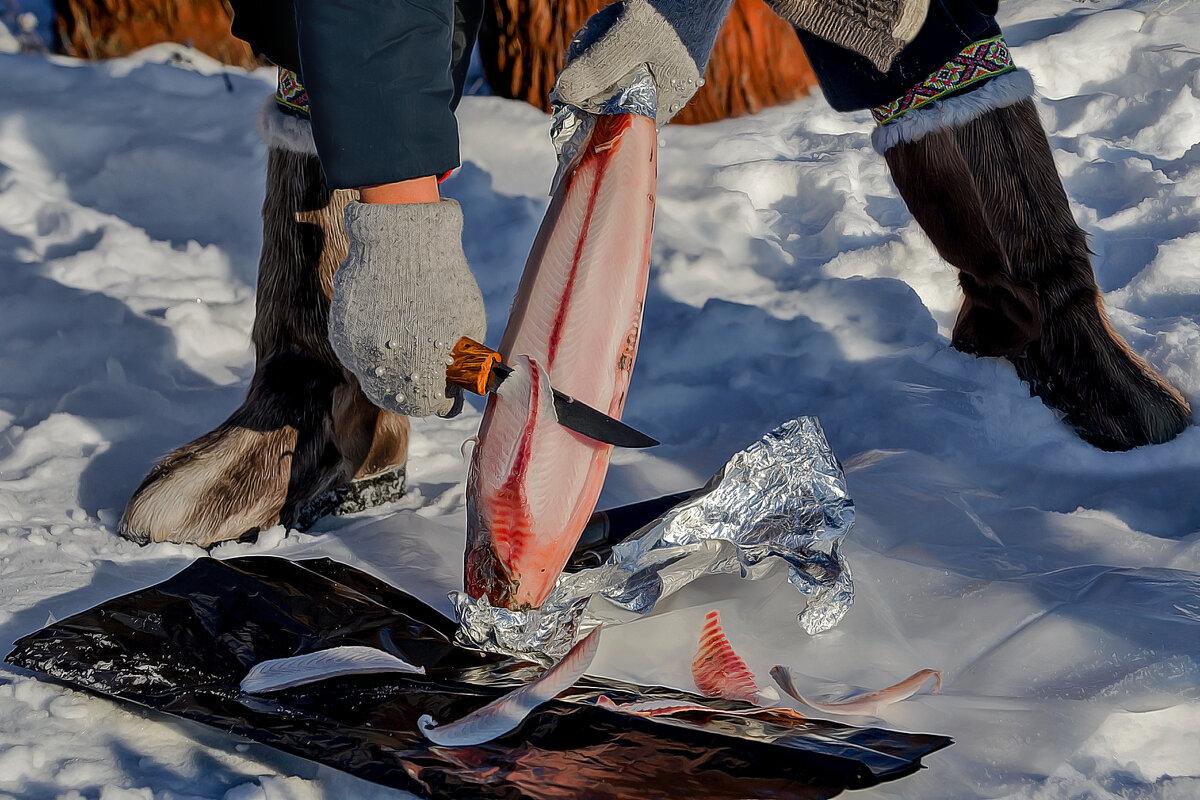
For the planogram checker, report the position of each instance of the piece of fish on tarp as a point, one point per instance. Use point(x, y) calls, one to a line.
point(782, 499)
point(183, 646)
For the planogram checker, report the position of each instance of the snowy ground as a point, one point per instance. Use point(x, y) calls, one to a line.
point(1058, 587)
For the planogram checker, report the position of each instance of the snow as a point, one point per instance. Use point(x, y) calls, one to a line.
point(1057, 586)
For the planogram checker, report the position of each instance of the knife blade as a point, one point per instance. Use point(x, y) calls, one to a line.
point(480, 369)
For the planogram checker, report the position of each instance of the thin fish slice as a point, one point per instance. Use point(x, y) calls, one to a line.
point(284, 673)
point(659, 708)
point(865, 702)
point(519, 461)
point(717, 670)
point(506, 713)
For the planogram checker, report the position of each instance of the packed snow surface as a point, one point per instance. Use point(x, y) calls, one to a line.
point(1057, 587)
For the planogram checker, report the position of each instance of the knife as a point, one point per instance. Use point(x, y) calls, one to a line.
point(480, 369)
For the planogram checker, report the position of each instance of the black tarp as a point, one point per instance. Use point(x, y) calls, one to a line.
point(183, 646)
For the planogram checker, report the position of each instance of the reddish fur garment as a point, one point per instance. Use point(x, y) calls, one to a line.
point(716, 669)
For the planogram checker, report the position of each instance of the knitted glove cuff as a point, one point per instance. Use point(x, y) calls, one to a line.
point(401, 300)
point(387, 223)
point(622, 37)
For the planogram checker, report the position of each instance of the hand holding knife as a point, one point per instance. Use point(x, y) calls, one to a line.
point(480, 369)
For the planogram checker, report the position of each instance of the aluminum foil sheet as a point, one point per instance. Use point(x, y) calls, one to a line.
point(570, 125)
point(782, 499)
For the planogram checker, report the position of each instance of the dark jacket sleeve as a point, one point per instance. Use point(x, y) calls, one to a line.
point(380, 90)
point(269, 27)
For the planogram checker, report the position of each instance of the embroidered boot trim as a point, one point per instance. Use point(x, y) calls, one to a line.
point(291, 93)
point(978, 61)
point(956, 110)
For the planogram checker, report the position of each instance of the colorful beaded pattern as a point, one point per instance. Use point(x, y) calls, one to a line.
point(977, 62)
point(291, 93)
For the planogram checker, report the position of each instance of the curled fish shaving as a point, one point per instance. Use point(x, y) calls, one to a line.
point(284, 673)
point(863, 702)
point(506, 713)
point(575, 323)
point(659, 708)
point(717, 670)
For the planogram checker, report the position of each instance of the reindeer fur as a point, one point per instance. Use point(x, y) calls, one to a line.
point(305, 427)
point(988, 195)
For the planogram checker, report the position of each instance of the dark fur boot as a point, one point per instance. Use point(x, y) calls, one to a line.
point(289, 454)
point(988, 195)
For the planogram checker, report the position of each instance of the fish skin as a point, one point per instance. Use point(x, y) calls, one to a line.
point(866, 703)
point(666, 708)
point(335, 662)
point(506, 713)
point(575, 323)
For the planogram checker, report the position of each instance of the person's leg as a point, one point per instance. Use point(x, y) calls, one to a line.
point(988, 194)
point(305, 430)
point(306, 442)
point(971, 160)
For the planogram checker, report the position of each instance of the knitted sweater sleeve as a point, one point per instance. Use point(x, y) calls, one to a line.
point(876, 29)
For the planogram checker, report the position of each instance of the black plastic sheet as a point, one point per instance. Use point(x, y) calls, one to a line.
point(183, 646)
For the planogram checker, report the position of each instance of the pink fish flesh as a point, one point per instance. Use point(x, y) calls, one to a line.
point(717, 670)
point(574, 325)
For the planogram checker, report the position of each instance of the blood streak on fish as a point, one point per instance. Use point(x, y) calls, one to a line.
point(556, 329)
point(717, 670)
point(574, 325)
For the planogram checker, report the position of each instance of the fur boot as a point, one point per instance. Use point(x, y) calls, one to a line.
point(306, 441)
point(987, 193)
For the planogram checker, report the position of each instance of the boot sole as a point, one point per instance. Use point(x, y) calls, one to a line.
point(360, 495)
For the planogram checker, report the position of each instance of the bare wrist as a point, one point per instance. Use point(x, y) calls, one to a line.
point(415, 190)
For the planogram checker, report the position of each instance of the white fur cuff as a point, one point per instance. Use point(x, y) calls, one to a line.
point(284, 131)
point(938, 115)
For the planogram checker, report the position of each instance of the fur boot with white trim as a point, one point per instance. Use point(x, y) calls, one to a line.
point(306, 441)
point(977, 173)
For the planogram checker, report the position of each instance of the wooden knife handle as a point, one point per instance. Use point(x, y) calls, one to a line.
point(472, 367)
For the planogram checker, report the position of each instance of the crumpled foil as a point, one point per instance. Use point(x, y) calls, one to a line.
point(783, 498)
point(570, 125)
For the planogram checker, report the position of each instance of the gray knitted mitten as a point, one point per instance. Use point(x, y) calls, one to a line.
point(401, 300)
point(674, 38)
point(876, 29)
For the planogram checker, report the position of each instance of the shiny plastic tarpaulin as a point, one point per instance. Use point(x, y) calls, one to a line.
point(183, 646)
